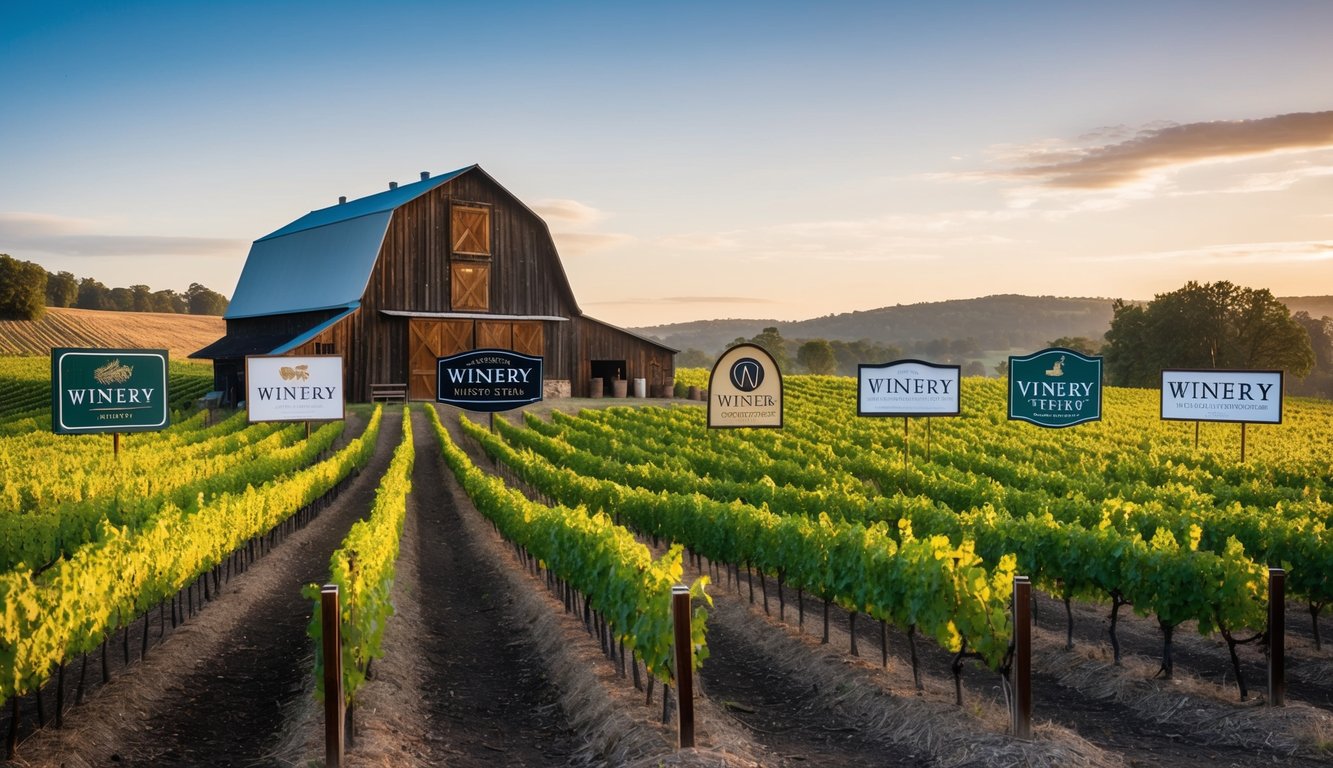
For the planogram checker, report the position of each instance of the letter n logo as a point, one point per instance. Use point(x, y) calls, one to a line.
point(747, 374)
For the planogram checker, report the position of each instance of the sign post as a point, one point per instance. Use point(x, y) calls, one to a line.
point(1222, 395)
point(1055, 388)
point(908, 388)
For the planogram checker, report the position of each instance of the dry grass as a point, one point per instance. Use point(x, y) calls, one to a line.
point(180, 335)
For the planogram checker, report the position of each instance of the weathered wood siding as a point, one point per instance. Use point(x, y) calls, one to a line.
point(412, 274)
point(643, 359)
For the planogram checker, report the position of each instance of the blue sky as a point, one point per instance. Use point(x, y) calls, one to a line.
point(694, 160)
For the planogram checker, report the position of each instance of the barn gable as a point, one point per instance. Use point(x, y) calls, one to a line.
point(393, 280)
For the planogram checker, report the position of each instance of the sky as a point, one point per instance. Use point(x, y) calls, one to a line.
point(694, 160)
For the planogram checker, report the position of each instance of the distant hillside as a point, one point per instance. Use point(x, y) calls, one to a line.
point(996, 323)
point(178, 334)
point(1317, 306)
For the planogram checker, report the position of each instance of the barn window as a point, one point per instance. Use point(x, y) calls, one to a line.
point(470, 286)
point(324, 349)
point(471, 227)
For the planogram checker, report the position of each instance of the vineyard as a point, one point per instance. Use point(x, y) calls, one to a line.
point(851, 581)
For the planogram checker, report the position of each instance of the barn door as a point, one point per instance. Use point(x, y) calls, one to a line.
point(427, 341)
point(492, 335)
point(528, 338)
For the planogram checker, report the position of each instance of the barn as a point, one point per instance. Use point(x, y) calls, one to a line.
point(394, 280)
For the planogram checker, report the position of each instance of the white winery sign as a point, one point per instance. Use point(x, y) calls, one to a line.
point(1213, 395)
point(294, 388)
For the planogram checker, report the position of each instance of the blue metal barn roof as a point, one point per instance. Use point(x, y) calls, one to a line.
point(323, 260)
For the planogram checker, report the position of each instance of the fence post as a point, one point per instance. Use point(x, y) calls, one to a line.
point(333, 677)
point(1022, 663)
point(680, 613)
point(1277, 637)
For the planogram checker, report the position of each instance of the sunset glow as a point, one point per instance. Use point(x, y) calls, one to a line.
point(744, 160)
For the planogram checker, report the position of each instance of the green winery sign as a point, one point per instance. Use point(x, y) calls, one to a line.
point(108, 390)
point(1055, 388)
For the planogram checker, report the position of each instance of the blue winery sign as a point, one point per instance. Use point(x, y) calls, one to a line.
point(488, 380)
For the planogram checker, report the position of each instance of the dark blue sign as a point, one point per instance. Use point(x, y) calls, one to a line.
point(488, 380)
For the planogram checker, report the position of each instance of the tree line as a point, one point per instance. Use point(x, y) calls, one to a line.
point(27, 289)
point(1199, 326)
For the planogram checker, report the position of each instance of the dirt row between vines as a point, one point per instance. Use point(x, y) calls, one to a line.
point(483, 666)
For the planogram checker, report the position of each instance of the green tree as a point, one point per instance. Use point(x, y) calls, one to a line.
point(93, 295)
point(694, 358)
point(202, 301)
point(22, 289)
point(1077, 343)
point(1213, 325)
point(167, 300)
point(773, 343)
point(817, 357)
point(62, 289)
point(1319, 382)
point(120, 299)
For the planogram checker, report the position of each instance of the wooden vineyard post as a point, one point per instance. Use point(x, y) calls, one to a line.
point(1242, 442)
point(115, 444)
point(1277, 637)
point(333, 677)
point(1022, 662)
point(680, 613)
point(1196, 435)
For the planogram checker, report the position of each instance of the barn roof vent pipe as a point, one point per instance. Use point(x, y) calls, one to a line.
point(342, 199)
point(393, 185)
point(425, 175)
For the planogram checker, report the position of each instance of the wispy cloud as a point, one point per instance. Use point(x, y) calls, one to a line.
point(685, 300)
point(44, 233)
point(1163, 148)
point(1290, 252)
point(890, 238)
point(567, 211)
point(579, 243)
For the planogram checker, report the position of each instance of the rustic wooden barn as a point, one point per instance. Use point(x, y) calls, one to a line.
point(428, 269)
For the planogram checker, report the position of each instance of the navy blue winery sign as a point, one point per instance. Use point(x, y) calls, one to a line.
point(489, 380)
point(1055, 388)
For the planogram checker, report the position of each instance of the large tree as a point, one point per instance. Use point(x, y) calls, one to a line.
point(203, 301)
point(1212, 325)
point(62, 289)
point(22, 289)
point(1319, 382)
point(773, 343)
point(817, 357)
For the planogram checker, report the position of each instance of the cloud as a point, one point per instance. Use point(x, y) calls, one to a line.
point(686, 300)
point(1160, 149)
point(568, 211)
point(62, 236)
point(900, 238)
point(578, 243)
point(1288, 252)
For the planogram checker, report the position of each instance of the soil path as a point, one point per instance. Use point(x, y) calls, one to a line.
point(213, 693)
point(487, 693)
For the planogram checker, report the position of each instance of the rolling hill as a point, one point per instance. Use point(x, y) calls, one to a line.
point(178, 334)
point(1001, 322)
